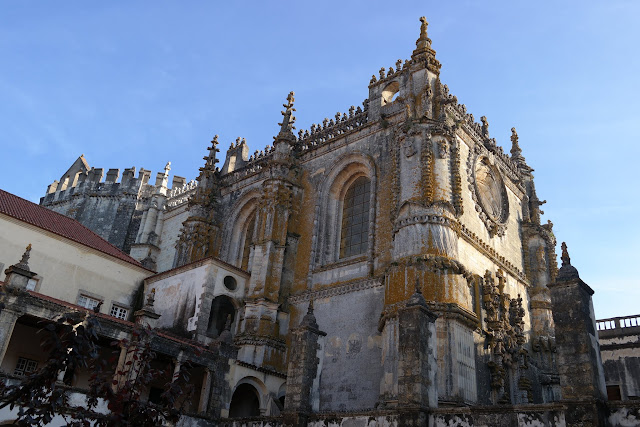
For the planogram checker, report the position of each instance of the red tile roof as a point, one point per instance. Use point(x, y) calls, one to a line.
point(26, 211)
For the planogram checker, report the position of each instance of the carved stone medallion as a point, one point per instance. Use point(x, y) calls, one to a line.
point(489, 193)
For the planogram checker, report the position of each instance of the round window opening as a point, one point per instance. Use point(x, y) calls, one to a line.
point(491, 191)
point(230, 283)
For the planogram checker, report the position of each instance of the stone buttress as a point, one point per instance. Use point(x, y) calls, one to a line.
point(260, 337)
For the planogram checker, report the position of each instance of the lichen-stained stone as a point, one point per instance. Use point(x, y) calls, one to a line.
point(406, 188)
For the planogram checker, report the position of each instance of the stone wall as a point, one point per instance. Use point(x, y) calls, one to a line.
point(620, 350)
point(350, 369)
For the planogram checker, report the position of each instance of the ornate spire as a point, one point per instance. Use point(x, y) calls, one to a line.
point(286, 127)
point(423, 48)
point(24, 261)
point(212, 158)
point(567, 272)
point(309, 319)
point(516, 152)
point(485, 126)
point(565, 255)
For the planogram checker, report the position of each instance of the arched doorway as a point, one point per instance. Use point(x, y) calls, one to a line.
point(245, 402)
point(221, 308)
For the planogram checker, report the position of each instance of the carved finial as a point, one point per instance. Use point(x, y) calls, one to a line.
point(565, 255)
point(24, 261)
point(515, 147)
point(399, 64)
point(212, 158)
point(167, 168)
point(423, 44)
point(373, 79)
point(382, 73)
point(390, 72)
point(485, 126)
point(244, 141)
point(151, 298)
point(417, 298)
point(309, 320)
point(286, 127)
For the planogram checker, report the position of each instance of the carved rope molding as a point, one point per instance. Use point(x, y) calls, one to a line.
point(491, 253)
point(423, 219)
point(336, 290)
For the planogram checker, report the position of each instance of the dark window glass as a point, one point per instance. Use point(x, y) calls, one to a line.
point(354, 236)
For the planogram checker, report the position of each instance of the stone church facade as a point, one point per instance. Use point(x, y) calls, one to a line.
point(391, 260)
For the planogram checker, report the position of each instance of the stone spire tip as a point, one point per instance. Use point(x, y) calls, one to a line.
point(24, 261)
point(286, 127)
point(566, 260)
point(423, 44)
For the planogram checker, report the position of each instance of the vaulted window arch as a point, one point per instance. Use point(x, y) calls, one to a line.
point(240, 231)
point(248, 242)
point(346, 212)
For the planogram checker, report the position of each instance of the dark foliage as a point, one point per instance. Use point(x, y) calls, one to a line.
point(72, 344)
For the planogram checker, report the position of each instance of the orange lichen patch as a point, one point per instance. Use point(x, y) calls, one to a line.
point(274, 274)
point(276, 360)
point(306, 227)
point(384, 224)
point(438, 283)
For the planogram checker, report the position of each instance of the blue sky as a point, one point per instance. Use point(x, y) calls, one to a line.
point(139, 84)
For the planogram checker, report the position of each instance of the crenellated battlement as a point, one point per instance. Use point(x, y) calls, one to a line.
point(112, 204)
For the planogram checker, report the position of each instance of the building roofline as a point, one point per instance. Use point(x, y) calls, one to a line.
point(196, 264)
point(28, 218)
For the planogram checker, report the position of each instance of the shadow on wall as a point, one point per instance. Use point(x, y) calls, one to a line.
point(245, 402)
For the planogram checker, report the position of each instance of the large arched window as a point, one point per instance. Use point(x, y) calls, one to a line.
point(354, 234)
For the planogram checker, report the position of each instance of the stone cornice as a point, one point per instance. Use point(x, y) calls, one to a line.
point(261, 369)
point(342, 289)
point(195, 264)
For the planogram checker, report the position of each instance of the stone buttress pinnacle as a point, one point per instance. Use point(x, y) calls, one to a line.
point(286, 127)
point(212, 158)
point(423, 50)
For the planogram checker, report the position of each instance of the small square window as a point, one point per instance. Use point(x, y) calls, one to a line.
point(119, 312)
point(87, 302)
point(25, 366)
point(31, 284)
